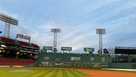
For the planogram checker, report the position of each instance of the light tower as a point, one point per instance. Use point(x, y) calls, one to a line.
point(8, 22)
point(55, 32)
point(100, 32)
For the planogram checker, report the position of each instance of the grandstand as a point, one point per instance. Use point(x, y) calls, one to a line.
point(15, 52)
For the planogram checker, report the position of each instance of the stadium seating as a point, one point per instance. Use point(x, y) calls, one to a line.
point(8, 61)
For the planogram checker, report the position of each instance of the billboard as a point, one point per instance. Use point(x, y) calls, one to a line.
point(89, 50)
point(66, 48)
point(47, 47)
point(21, 36)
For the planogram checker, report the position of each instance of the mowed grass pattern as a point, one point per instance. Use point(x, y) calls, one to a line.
point(40, 72)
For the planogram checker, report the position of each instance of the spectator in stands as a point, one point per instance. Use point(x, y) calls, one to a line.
point(105, 51)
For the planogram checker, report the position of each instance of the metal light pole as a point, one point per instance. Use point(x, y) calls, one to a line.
point(100, 32)
point(7, 30)
point(55, 31)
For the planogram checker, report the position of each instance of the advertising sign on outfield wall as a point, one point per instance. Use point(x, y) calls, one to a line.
point(48, 47)
point(66, 48)
point(89, 50)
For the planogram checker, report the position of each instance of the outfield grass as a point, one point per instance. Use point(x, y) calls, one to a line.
point(40, 72)
point(62, 72)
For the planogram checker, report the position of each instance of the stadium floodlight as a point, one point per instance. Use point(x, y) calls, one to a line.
point(100, 32)
point(8, 22)
point(8, 19)
point(55, 31)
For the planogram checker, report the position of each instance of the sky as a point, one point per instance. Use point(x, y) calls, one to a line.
point(77, 19)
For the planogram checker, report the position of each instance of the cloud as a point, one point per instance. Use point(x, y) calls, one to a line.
point(77, 20)
point(76, 36)
point(5, 12)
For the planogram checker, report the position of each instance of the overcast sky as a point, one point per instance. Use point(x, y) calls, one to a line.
point(77, 19)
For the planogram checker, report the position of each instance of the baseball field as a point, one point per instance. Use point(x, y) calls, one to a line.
point(61, 72)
